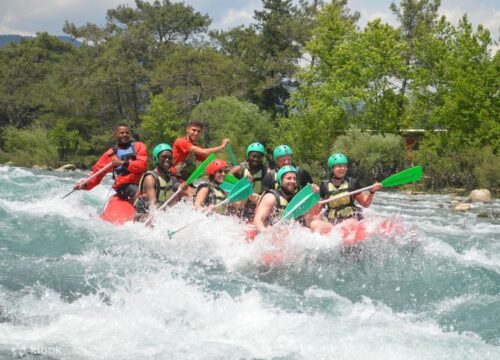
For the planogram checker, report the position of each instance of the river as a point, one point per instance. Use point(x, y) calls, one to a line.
point(75, 287)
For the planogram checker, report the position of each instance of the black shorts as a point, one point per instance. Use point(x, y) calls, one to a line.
point(127, 191)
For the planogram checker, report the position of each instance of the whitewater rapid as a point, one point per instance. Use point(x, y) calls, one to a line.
point(75, 287)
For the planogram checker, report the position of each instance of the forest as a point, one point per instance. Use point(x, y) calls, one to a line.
point(305, 74)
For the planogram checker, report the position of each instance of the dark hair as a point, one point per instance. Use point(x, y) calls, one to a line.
point(121, 125)
point(196, 123)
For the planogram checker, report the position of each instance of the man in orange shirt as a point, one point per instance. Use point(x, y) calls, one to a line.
point(187, 151)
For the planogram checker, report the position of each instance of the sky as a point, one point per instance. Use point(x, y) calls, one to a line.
point(27, 17)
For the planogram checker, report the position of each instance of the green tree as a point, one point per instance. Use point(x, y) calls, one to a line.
point(271, 50)
point(469, 103)
point(64, 139)
point(166, 21)
point(321, 106)
point(161, 123)
point(193, 75)
point(25, 69)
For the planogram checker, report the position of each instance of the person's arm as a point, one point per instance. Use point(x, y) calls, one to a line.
point(365, 199)
point(200, 197)
point(150, 189)
point(205, 152)
point(263, 211)
point(315, 211)
point(104, 160)
point(236, 171)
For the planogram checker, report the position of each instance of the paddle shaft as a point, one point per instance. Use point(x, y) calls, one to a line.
point(205, 210)
point(164, 205)
point(195, 175)
point(229, 149)
point(90, 178)
point(233, 196)
point(346, 194)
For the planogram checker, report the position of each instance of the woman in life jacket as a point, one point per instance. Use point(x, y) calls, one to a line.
point(254, 169)
point(342, 208)
point(158, 185)
point(129, 160)
point(209, 194)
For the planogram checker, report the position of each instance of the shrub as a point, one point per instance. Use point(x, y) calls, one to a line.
point(487, 169)
point(371, 157)
point(446, 161)
point(28, 147)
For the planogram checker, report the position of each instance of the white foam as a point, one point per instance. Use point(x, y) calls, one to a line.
point(161, 316)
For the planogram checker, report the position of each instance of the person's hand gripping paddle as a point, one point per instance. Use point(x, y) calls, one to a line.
point(240, 191)
point(199, 171)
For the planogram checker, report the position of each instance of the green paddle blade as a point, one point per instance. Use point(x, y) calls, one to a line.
point(231, 179)
point(301, 203)
point(229, 149)
point(226, 186)
point(200, 170)
point(403, 177)
point(240, 190)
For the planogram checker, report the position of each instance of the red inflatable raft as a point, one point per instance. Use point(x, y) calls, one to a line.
point(118, 211)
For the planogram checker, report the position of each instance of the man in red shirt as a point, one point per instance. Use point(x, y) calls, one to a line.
point(129, 163)
point(187, 151)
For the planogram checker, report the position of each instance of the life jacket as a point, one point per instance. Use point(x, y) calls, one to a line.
point(215, 196)
point(123, 154)
point(281, 204)
point(164, 188)
point(343, 208)
point(257, 177)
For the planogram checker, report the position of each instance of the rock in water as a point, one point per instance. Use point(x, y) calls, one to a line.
point(66, 168)
point(462, 207)
point(481, 195)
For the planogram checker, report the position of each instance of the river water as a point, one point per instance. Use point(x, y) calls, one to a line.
point(75, 287)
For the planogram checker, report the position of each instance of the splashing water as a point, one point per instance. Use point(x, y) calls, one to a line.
point(75, 287)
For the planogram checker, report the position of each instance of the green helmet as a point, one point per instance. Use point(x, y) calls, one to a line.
point(159, 149)
point(281, 151)
point(256, 147)
point(336, 159)
point(285, 169)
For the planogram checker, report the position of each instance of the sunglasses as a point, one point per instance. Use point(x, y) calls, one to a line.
point(220, 171)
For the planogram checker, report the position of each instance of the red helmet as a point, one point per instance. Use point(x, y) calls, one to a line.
point(214, 166)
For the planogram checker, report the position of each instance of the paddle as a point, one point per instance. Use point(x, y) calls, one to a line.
point(231, 179)
point(228, 183)
point(199, 171)
point(401, 178)
point(229, 149)
point(227, 187)
point(104, 169)
point(240, 191)
point(300, 204)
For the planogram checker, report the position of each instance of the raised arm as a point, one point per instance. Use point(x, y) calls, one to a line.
point(205, 152)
